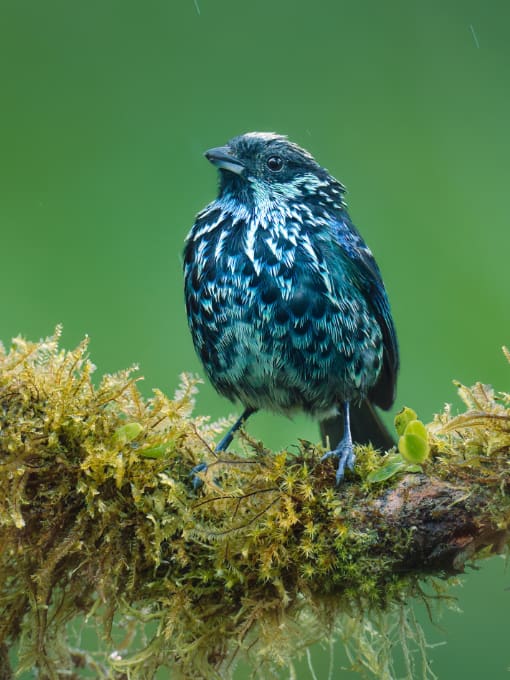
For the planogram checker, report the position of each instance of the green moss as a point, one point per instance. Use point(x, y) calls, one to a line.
point(99, 523)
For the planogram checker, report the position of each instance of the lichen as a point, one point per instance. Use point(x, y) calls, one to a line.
point(100, 524)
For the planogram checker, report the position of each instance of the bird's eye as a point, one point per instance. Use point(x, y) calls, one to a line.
point(274, 163)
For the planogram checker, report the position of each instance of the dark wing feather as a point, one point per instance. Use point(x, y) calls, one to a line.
point(366, 276)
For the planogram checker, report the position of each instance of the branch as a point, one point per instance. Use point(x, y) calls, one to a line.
point(449, 524)
point(99, 523)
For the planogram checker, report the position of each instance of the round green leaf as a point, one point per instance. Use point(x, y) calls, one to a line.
point(418, 428)
point(154, 452)
point(413, 447)
point(403, 417)
point(126, 433)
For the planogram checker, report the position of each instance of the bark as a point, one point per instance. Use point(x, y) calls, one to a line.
point(449, 524)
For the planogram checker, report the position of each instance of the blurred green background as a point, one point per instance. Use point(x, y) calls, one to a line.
point(106, 108)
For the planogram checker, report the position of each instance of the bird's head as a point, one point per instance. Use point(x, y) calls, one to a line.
point(263, 167)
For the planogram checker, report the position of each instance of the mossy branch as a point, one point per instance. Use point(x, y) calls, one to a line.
point(99, 523)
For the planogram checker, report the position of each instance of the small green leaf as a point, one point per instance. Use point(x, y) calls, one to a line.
point(154, 451)
point(395, 464)
point(403, 417)
point(413, 447)
point(413, 468)
point(418, 428)
point(126, 433)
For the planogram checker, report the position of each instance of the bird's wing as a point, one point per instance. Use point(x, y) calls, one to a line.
point(365, 274)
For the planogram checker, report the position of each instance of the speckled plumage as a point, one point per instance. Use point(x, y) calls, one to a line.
point(285, 302)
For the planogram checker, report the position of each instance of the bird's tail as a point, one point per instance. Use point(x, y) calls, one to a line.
point(366, 426)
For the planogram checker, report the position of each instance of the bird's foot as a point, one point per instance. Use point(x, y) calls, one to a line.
point(195, 479)
point(221, 447)
point(203, 467)
point(346, 458)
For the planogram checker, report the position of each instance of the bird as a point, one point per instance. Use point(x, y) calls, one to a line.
point(285, 302)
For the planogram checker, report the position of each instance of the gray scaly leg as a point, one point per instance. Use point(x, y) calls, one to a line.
point(345, 449)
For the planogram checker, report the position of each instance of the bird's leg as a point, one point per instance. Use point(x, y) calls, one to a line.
point(222, 446)
point(345, 449)
point(227, 439)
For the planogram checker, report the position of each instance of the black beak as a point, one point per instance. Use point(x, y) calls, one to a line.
point(223, 158)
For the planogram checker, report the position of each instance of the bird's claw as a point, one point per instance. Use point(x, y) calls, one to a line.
point(346, 458)
point(196, 481)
